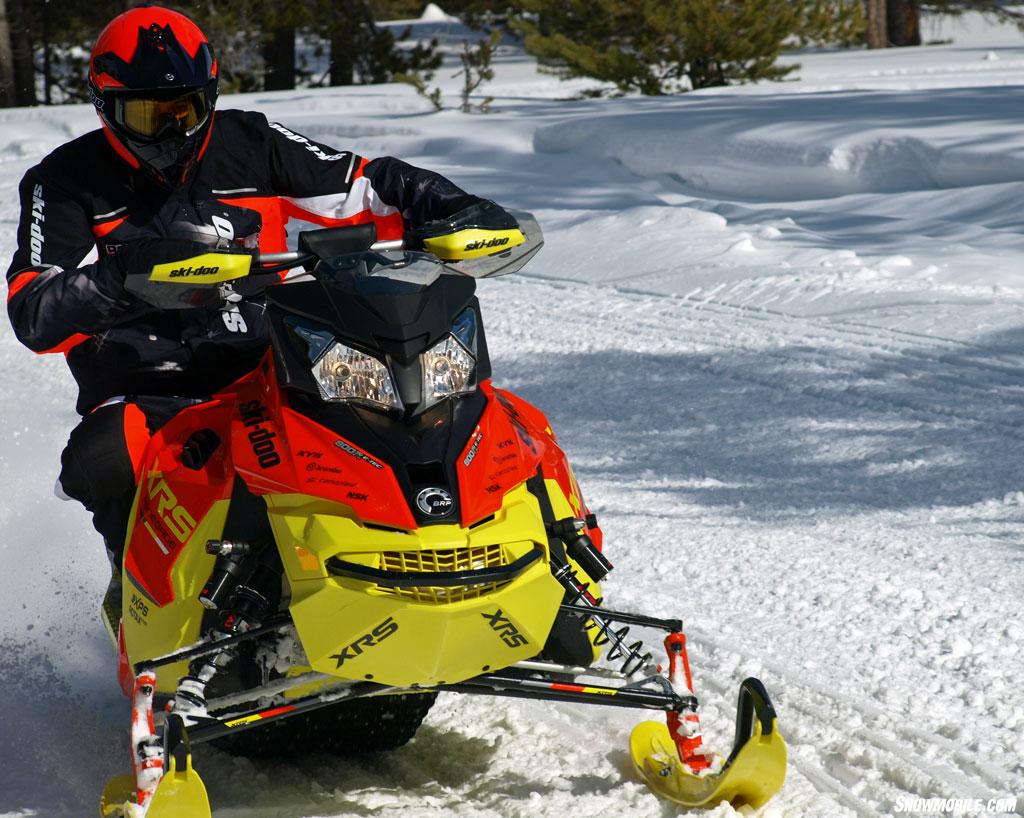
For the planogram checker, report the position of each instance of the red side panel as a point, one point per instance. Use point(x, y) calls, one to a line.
point(105, 228)
point(19, 282)
point(279, 451)
point(502, 452)
point(125, 674)
point(173, 498)
point(535, 436)
point(389, 227)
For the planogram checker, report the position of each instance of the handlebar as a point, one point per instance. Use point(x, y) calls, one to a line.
point(296, 256)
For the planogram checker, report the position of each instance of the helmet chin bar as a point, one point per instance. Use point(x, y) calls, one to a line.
point(169, 160)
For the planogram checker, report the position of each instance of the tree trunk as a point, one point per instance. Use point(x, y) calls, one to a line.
point(279, 59)
point(21, 53)
point(877, 37)
point(47, 67)
point(902, 22)
point(343, 56)
point(7, 87)
point(346, 17)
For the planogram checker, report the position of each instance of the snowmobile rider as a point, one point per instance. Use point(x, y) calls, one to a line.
point(163, 180)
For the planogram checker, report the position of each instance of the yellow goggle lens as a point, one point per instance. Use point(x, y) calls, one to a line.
point(147, 117)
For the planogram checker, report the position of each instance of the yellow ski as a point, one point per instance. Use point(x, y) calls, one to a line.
point(754, 772)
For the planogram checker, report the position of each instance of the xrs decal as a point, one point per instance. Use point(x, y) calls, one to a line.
point(504, 627)
point(139, 609)
point(367, 640)
point(170, 516)
point(262, 440)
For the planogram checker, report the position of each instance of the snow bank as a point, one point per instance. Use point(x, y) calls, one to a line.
point(809, 146)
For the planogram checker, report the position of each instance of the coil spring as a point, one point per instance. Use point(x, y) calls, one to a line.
point(632, 655)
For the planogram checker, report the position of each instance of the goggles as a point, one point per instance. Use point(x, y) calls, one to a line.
point(149, 117)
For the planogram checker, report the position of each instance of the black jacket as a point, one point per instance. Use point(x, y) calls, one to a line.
point(254, 176)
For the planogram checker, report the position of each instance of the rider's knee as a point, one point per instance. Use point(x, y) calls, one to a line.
point(97, 463)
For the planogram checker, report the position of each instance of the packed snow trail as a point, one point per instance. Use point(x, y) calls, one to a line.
point(798, 421)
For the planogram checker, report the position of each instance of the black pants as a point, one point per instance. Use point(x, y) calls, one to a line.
point(98, 465)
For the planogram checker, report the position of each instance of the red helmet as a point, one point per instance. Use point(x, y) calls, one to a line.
point(153, 79)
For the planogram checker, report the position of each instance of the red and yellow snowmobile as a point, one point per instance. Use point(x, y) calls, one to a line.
point(365, 520)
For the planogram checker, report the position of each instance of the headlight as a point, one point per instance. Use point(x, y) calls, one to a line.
point(449, 367)
point(343, 373)
point(346, 374)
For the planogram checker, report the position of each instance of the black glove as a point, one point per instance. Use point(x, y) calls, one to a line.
point(484, 215)
point(140, 257)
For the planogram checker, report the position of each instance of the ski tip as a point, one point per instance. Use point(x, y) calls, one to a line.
point(180, 793)
point(753, 774)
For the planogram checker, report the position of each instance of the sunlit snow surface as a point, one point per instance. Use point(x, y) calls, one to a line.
point(779, 330)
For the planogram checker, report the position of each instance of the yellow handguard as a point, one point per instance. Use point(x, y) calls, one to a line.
point(473, 242)
point(208, 268)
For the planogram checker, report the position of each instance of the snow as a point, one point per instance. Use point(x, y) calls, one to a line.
point(778, 328)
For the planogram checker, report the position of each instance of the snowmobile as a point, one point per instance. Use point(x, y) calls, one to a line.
point(365, 521)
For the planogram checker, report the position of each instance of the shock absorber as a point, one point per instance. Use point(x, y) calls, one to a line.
point(227, 571)
point(634, 656)
point(578, 545)
point(242, 603)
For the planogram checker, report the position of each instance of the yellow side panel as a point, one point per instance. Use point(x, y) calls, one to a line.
point(153, 631)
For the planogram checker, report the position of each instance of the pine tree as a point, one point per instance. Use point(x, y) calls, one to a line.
point(661, 46)
point(831, 22)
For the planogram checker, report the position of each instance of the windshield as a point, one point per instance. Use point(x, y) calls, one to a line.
point(420, 269)
point(423, 269)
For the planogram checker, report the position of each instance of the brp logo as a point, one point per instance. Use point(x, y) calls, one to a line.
point(435, 501)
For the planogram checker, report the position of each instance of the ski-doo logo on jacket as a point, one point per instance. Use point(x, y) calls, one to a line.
point(36, 238)
point(314, 149)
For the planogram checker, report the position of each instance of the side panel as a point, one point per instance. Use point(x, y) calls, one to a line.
point(555, 465)
point(279, 451)
point(172, 499)
point(176, 511)
point(151, 629)
point(501, 454)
